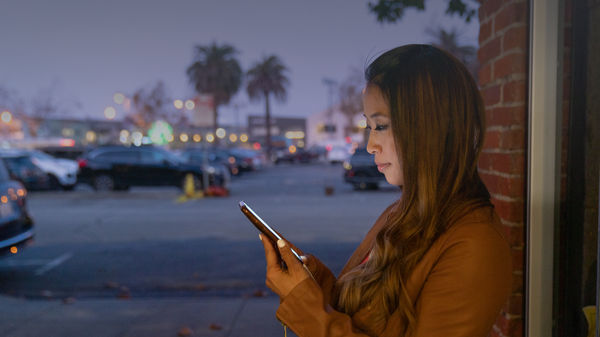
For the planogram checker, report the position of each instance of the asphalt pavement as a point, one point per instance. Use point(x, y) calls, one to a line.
point(140, 264)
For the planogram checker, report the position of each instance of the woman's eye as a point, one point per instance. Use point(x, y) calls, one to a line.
point(377, 127)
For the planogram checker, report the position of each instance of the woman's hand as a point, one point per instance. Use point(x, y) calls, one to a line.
point(282, 281)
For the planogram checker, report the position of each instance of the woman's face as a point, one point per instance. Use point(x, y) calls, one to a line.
point(381, 140)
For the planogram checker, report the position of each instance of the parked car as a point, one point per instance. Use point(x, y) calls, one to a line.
point(119, 167)
point(209, 161)
point(248, 159)
point(214, 157)
point(21, 168)
point(360, 170)
point(300, 155)
point(338, 154)
point(61, 172)
point(16, 226)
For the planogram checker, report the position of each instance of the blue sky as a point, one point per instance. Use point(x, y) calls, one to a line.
point(88, 50)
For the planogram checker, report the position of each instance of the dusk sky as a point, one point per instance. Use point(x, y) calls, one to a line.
point(88, 50)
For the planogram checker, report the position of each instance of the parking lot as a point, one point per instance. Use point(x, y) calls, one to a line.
point(143, 245)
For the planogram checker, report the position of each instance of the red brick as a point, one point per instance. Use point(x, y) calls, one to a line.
point(512, 211)
point(517, 258)
point(506, 116)
point(514, 235)
point(509, 187)
point(485, 74)
point(490, 7)
point(515, 63)
point(515, 12)
point(513, 139)
point(492, 140)
point(491, 95)
point(515, 91)
point(509, 326)
point(508, 163)
point(515, 38)
point(517, 283)
point(514, 305)
point(485, 31)
point(489, 50)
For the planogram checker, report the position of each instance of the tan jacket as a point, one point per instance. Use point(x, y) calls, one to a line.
point(458, 288)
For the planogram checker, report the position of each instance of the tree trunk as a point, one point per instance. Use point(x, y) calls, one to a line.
point(268, 126)
point(216, 124)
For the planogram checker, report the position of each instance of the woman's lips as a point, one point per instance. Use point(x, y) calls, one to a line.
point(382, 167)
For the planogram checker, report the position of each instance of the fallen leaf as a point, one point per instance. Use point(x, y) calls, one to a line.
point(69, 300)
point(185, 331)
point(215, 326)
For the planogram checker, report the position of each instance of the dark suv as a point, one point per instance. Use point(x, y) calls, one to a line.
point(361, 171)
point(119, 167)
point(16, 226)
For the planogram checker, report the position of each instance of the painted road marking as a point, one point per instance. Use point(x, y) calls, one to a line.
point(53, 264)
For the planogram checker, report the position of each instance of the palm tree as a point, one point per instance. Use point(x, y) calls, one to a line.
point(266, 78)
point(216, 71)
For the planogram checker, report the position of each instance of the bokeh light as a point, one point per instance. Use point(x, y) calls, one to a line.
point(221, 133)
point(119, 98)
point(189, 104)
point(110, 112)
point(178, 104)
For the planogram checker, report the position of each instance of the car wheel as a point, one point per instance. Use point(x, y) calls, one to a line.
point(68, 187)
point(54, 183)
point(104, 182)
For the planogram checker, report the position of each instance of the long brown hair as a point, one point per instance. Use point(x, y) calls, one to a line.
point(437, 119)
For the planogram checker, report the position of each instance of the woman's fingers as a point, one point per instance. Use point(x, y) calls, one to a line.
point(287, 256)
point(270, 253)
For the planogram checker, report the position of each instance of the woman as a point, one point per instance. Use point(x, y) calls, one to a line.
point(435, 263)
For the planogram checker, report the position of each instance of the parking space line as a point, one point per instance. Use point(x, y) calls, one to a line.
point(53, 264)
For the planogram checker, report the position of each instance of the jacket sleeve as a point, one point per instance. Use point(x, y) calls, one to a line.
point(306, 311)
point(467, 287)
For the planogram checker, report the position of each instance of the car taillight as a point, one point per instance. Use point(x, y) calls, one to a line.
point(82, 163)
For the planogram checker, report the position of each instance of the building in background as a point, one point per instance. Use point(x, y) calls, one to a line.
point(332, 127)
point(285, 131)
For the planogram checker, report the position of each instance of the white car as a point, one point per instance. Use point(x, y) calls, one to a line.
point(338, 154)
point(62, 172)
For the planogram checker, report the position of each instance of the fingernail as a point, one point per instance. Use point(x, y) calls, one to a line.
point(304, 258)
point(280, 243)
point(260, 237)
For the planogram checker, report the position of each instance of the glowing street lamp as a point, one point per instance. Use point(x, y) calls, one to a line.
point(221, 133)
point(362, 124)
point(183, 137)
point(189, 104)
point(233, 138)
point(6, 117)
point(210, 138)
point(110, 113)
point(178, 104)
point(119, 98)
point(197, 138)
point(244, 138)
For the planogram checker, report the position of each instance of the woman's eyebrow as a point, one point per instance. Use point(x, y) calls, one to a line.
point(377, 114)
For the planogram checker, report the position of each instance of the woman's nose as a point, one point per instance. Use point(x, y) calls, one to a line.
point(372, 146)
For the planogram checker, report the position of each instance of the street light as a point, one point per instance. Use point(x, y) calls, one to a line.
point(119, 98)
point(221, 133)
point(178, 104)
point(189, 104)
point(110, 113)
point(6, 116)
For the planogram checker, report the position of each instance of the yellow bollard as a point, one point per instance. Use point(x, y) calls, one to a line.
point(189, 190)
point(590, 316)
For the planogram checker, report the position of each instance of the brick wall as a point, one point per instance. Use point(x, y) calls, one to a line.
point(503, 56)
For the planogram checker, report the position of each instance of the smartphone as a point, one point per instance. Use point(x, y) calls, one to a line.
point(262, 226)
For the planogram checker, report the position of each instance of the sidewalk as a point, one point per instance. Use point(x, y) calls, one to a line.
point(211, 317)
